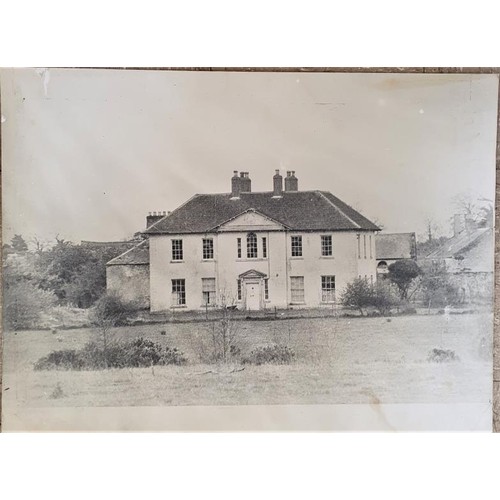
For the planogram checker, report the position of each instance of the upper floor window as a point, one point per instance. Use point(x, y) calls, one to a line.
point(208, 290)
point(179, 292)
point(327, 288)
point(177, 253)
point(326, 246)
point(251, 246)
point(208, 248)
point(264, 248)
point(238, 241)
point(296, 246)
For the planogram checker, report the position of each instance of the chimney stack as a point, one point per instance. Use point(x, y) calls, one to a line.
point(277, 185)
point(154, 217)
point(291, 182)
point(235, 185)
point(245, 182)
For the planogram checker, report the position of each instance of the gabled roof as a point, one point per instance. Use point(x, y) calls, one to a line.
point(297, 210)
point(389, 246)
point(138, 255)
point(459, 244)
point(473, 251)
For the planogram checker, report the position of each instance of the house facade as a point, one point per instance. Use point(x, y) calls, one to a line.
point(255, 250)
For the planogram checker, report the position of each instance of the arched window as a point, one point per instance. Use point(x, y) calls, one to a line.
point(251, 246)
point(382, 267)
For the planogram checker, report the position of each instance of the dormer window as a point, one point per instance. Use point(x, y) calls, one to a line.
point(251, 246)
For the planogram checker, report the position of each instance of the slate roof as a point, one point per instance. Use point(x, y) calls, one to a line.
point(138, 255)
point(391, 246)
point(296, 210)
point(459, 244)
point(473, 251)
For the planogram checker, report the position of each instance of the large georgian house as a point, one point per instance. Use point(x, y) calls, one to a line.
point(255, 250)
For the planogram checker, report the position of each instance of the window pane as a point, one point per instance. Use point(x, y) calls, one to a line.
point(208, 248)
point(251, 246)
point(239, 289)
point(239, 248)
point(326, 245)
point(208, 290)
point(178, 292)
point(297, 288)
point(328, 288)
point(177, 253)
point(296, 246)
point(264, 247)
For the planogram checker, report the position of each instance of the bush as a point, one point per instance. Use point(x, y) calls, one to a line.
point(136, 353)
point(110, 310)
point(270, 354)
point(442, 356)
point(24, 304)
point(357, 295)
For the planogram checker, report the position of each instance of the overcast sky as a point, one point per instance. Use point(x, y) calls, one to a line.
point(88, 153)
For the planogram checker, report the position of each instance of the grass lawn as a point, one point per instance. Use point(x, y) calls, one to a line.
point(338, 360)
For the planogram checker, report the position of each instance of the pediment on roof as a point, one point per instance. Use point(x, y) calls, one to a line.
point(252, 273)
point(251, 220)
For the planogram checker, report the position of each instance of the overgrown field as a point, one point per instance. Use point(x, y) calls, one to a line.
point(337, 360)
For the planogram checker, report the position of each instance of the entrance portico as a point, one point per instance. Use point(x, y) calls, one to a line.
point(252, 286)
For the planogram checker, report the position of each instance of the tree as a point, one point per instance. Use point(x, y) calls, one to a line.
point(402, 273)
point(384, 297)
point(24, 304)
point(18, 244)
point(437, 288)
point(109, 311)
point(357, 295)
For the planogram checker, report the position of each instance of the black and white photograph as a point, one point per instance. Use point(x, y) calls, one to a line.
point(247, 250)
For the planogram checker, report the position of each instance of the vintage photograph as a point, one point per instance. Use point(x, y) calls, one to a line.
point(263, 244)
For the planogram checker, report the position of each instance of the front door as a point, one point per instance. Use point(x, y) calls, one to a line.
point(252, 296)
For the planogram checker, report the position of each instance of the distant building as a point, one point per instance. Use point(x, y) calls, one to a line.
point(280, 248)
point(391, 247)
point(469, 256)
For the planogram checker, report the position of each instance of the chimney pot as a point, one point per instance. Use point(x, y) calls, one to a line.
point(246, 182)
point(277, 184)
point(291, 182)
point(235, 185)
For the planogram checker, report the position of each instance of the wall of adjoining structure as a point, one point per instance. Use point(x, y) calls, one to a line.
point(130, 282)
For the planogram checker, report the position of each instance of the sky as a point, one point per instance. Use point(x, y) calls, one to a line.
point(87, 154)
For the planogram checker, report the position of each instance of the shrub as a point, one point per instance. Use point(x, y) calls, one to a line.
point(24, 304)
point(442, 356)
point(65, 359)
point(136, 353)
point(357, 295)
point(110, 310)
point(384, 297)
point(270, 354)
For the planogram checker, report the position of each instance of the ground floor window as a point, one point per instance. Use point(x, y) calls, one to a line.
point(266, 289)
point(328, 288)
point(179, 292)
point(239, 289)
point(297, 288)
point(208, 290)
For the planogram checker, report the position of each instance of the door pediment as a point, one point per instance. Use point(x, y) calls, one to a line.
point(252, 274)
